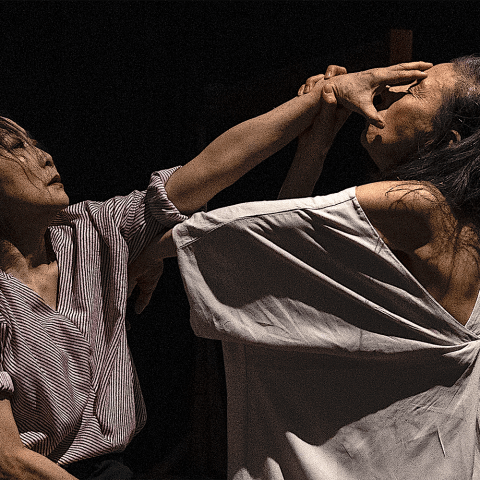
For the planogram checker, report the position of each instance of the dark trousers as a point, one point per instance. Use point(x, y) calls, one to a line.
point(105, 467)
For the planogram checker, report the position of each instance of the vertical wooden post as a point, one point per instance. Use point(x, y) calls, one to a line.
point(400, 47)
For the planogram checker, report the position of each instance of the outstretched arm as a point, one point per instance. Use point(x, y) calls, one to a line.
point(243, 147)
point(240, 149)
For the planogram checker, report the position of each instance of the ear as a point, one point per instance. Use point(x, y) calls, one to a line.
point(453, 137)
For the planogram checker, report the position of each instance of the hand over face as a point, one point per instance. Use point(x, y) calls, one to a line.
point(356, 91)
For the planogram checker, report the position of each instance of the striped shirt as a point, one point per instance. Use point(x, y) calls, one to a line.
point(75, 392)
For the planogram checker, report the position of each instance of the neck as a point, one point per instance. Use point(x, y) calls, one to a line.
point(23, 246)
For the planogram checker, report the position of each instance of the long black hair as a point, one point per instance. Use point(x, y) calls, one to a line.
point(453, 167)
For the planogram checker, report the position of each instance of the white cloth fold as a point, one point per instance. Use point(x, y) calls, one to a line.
point(339, 364)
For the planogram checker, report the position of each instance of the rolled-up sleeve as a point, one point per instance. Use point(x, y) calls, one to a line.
point(138, 216)
point(6, 384)
point(162, 209)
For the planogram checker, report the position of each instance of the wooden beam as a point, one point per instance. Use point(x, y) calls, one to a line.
point(400, 46)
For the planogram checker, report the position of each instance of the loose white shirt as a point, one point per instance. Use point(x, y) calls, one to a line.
point(339, 364)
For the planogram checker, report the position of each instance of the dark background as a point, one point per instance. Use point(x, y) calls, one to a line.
point(116, 90)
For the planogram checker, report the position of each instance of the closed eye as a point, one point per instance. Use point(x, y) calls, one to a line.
point(19, 144)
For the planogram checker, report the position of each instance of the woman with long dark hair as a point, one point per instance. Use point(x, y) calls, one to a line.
point(350, 322)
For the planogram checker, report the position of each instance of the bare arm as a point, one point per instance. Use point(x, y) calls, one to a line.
point(243, 147)
point(18, 462)
point(315, 142)
point(340, 95)
point(240, 149)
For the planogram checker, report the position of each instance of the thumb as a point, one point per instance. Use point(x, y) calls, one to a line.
point(370, 112)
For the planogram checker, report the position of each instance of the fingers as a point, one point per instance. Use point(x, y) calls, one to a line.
point(328, 96)
point(310, 83)
point(325, 126)
point(413, 66)
point(332, 115)
point(400, 77)
point(405, 72)
point(334, 70)
point(326, 118)
point(370, 112)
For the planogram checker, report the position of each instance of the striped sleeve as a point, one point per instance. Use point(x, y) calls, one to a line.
point(153, 214)
point(162, 209)
point(138, 216)
point(6, 384)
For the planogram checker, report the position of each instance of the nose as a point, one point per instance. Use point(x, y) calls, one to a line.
point(44, 158)
point(48, 160)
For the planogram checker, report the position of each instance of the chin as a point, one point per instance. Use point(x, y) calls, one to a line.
point(371, 150)
point(62, 203)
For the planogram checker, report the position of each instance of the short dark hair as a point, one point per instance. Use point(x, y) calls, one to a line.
point(453, 168)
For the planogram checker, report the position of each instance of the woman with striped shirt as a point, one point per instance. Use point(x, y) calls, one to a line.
point(68, 387)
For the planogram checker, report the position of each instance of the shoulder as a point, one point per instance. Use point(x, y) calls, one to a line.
point(407, 214)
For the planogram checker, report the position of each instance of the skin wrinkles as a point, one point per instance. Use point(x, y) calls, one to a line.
point(407, 112)
point(25, 168)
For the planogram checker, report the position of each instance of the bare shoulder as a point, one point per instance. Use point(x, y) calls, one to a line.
point(407, 214)
point(398, 196)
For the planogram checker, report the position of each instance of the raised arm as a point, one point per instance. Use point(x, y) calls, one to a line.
point(240, 149)
point(244, 146)
point(17, 461)
point(315, 142)
point(340, 96)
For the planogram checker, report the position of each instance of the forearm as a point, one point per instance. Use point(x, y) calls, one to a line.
point(304, 172)
point(29, 465)
point(240, 149)
point(17, 461)
point(313, 146)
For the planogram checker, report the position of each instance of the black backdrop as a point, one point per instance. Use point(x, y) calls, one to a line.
point(116, 90)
